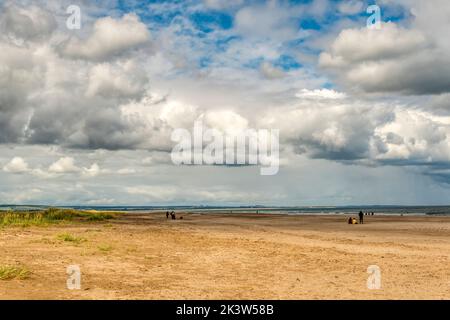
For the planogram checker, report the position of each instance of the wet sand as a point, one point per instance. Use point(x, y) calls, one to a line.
point(231, 256)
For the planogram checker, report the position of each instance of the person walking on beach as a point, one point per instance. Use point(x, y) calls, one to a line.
point(167, 214)
point(361, 217)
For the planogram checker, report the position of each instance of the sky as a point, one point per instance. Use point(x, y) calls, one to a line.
point(86, 115)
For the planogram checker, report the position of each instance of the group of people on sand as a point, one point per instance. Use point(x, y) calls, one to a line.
point(172, 215)
point(352, 220)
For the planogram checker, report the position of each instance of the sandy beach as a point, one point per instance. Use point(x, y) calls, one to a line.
point(231, 256)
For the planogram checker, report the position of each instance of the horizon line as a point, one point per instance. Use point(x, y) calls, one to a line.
point(255, 206)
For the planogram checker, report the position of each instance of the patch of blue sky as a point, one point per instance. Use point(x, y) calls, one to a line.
point(138, 7)
point(310, 24)
point(130, 5)
point(397, 15)
point(205, 62)
point(287, 63)
point(329, 86)
point(154, 12)
point(160, 19)
point(297, 2)
point(310, 21)
point(222, 43)
point(211, 20)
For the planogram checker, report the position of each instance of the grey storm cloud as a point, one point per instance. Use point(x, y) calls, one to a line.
point(440, 105)
point(391, 59)
point(47, 98)
point(339, 129)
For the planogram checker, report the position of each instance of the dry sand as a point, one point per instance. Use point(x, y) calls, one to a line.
point(218, 256)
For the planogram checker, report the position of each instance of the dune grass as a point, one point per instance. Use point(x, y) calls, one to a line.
point(13, 272)
point(67, 237)
point(49, 216)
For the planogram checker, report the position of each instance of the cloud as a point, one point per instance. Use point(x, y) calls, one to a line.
point(171, 193)
point(22, 196)
point(16, 165)
point(333, 129)
point(271, 72)
point(227, 121)
point(392, 59)
point(126, 171)
point(220, 4)
point(64, 165)
point(26, 23)
point(319, 8)
point(101, 202)
point(157, 158)
point(391, 41)
point(93, 171)
point(110, 37)
point(269, 21)
point(415, 137)
point(320, 94)
point(354, 131)
point(350, 7)
point(439, 105)
point(17, 79)
point(123, 80)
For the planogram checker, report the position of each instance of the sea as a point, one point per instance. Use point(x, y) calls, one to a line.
point(306, 210)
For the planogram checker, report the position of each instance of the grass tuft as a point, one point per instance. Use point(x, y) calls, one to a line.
point(70, 238)
point(13, 272)
point(105, 248)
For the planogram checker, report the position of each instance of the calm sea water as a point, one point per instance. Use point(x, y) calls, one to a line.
point(386, 210)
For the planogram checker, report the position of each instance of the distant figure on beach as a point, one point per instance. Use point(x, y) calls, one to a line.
point(172, 214)
point(373, 213)
point(361, 217)
point(167, 214)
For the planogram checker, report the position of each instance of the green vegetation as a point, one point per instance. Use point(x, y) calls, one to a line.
point(51, 215)
point(70, 238)
point(100, 217)
point(12, 272)
point(105, 248)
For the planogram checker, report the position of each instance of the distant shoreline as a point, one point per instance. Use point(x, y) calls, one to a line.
point(248, 210)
